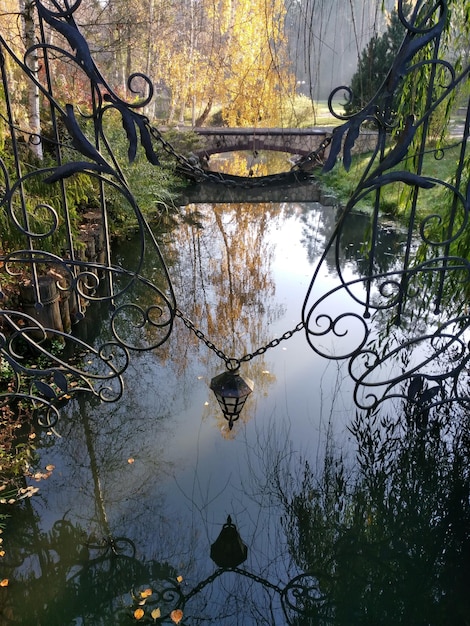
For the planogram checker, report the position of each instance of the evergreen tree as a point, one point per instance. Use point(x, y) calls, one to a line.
point(374, 64)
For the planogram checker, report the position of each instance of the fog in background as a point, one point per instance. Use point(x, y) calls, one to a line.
point(327, 37)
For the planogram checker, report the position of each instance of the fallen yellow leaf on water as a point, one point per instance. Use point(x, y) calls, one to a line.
point(146, 593)
point(4, 582)
point(2, 553)
point(130, 461)
point(176, 616)
point(179, 579)
point(50, 467)
point(139, 613)
point(156, 613)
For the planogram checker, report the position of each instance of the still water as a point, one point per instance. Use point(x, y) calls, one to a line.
point(159, 472)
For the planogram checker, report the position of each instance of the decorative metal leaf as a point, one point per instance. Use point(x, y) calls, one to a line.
point(428, 395)
point(79, 140)
point(400, 176)
point(131, 119)
point(351, 136)
point(415, 387)
point(335, 146)
point(146, 141)
point(61, 381)
point(411, 45)
point(46, 390)
point(399, 151)
point(129, 127)
point(76, 40)
point(69, 169)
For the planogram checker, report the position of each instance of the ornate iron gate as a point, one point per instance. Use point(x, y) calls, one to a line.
point(42, 252)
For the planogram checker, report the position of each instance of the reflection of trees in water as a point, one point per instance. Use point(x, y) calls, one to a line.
point(219, 260)
point(75, 582)
point(224, 272)
point(389, 542)
point(256, 163)
point(86, 569)
point(354, 241)
point(224, 284)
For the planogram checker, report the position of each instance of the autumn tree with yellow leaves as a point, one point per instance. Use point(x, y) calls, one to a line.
point(229, 56)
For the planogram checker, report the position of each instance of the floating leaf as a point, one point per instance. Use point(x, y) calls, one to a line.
point(50, 467)
point(146, 593)
point(2, 553)
point(156, 613)
point(176, 616)
point(5, 582)
point(179, 579)
point(130, 460)
point(139, 613)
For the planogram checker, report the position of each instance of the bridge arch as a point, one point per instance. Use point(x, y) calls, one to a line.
point(301, 141)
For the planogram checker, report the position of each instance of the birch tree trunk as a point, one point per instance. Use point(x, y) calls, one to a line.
point(27, 8)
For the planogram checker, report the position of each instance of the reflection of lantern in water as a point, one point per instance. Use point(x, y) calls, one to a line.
point(228, 550)
point(231, 391)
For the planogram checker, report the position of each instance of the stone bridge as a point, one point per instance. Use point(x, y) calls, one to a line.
point(301, 141)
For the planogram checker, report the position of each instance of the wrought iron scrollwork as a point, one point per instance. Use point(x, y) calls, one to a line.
point(396, 326)
point(48, 364)
point(340, 324)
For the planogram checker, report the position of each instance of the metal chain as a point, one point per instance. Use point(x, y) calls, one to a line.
point(316, 156)
point(231, 362)
point(194, 169)
point(202, 174)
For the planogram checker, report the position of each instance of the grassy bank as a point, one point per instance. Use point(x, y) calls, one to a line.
point(342, 184)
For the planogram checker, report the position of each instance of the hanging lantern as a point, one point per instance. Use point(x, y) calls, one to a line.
point(228, 550)
point(231, 391)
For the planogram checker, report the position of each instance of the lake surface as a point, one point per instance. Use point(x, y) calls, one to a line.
point(161, 470)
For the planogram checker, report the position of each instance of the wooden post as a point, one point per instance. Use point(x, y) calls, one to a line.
point(47, 311)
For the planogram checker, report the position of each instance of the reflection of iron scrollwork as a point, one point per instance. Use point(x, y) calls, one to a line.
point(303, 598)
point(409, 319)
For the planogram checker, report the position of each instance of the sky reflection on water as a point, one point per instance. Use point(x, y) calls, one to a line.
point(160, 467)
